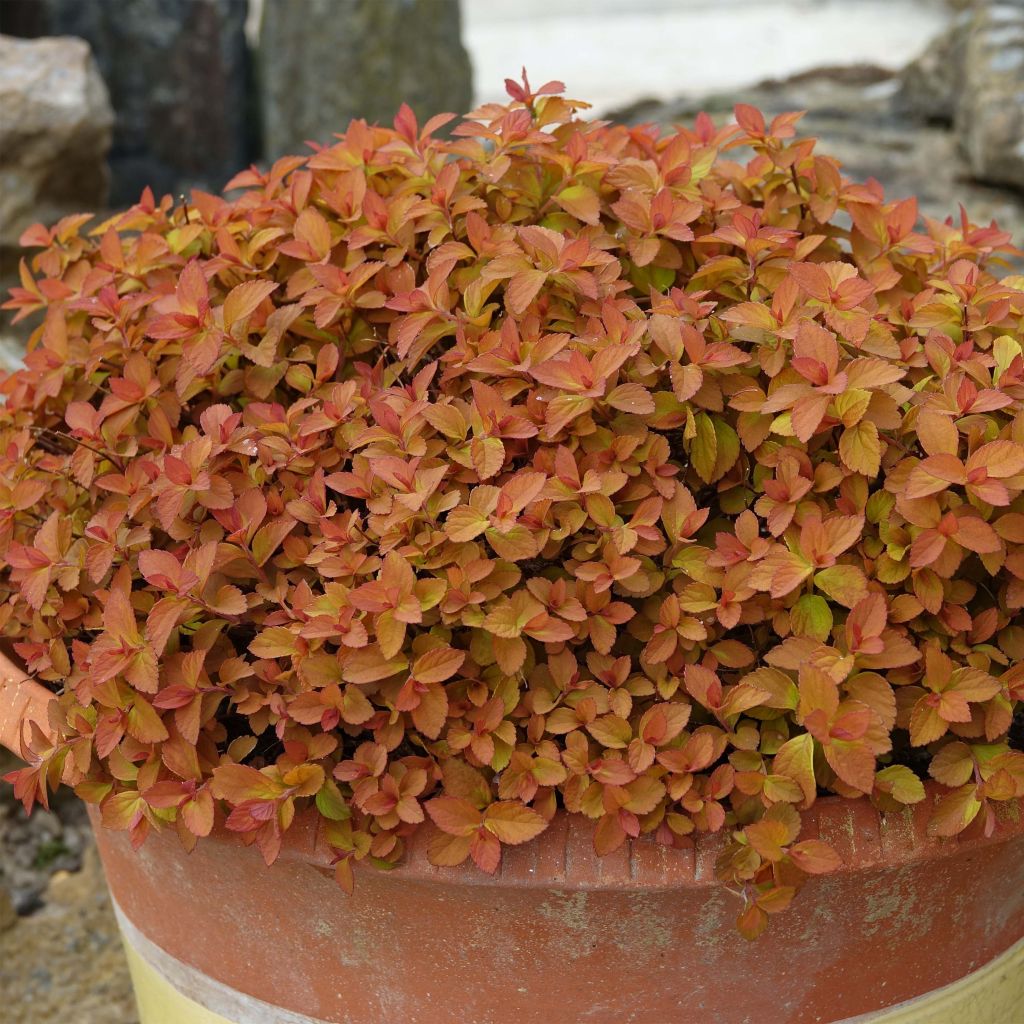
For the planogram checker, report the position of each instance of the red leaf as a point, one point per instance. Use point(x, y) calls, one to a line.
point(485, 849)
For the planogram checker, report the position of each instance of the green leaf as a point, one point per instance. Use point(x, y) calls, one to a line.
point(955, 812)
point(795, 760)
point(845, 584)
point(860, 449)
point(901, 784)
point(330, 803)
point(275, 642)
point(582, 202)
point(811, 617)
point(727, 449)
point(704, 448)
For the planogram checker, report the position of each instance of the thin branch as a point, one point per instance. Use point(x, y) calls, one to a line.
point(42, 431)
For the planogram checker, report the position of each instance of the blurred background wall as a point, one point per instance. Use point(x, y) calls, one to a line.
point(200, 88)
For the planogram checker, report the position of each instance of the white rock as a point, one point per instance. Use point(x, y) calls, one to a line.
point(54, 132)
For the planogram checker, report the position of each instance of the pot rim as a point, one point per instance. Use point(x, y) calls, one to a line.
point(563, 856)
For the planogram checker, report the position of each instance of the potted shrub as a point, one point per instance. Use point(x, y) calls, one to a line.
point(611, 538)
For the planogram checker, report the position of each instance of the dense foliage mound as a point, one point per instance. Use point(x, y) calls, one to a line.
point(557, 464)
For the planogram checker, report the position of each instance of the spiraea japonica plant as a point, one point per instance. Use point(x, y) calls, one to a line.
point(671, 480)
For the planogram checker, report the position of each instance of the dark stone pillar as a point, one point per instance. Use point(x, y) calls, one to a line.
point(324, 62)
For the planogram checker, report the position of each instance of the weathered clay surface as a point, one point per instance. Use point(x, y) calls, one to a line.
point(54, 132)
point(356, 58)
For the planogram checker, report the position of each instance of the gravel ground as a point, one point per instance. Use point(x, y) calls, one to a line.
point(65, 962)
point(33, 848)
point(60, 952)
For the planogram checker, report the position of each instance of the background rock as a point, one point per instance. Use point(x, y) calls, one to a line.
point(177, 72)
point(972, 78)
point(54, 133)
point(990, 112)
point(611, 52)
point(856, 116)
point(324, 62)
point(929, 86)
point(25, 18)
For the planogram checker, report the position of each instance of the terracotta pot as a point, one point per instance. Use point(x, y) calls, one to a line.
point(910, 931)
point(22, 702)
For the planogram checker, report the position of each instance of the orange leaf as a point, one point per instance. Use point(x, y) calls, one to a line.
point(438, 664)
point(998, 459)
point(488, 456)
point(935, 474)
point(769, 838)
point(853, 763)
point(447, 850)
point(243, 299)
point(815, 857)
point(237, 783)
point(485, 849)
point(513, 823)
point(430, 714)
point(953, 813)
point(522, 290)
point(454, 816)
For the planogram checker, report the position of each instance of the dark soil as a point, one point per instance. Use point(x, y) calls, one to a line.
point(1017, 729)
